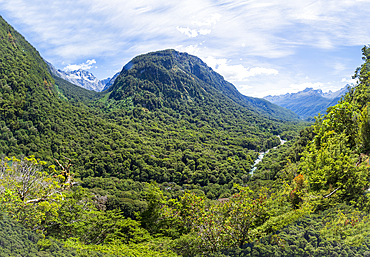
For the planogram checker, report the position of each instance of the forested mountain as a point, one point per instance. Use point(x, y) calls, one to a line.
point(174, 80)
point(37, 118)
point(309, 102)
point(159, 164)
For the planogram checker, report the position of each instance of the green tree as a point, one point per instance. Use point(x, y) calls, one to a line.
point(331, 169)
point(364, 130)
point(29, 193)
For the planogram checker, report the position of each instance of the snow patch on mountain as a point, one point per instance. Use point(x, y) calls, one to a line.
point(83, 78)
point(308, 102)
point(307, 92)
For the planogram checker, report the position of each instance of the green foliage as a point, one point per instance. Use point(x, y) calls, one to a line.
point(170, 119)
point(76, 206)
point(364, 130)
point(301, 238)
point(341, 118)
point(243, 218)
point(155, 248)
point(333, 167)
point(349, 226)
point(128, 231)
point(30, 194)
point(16, 240)
point(150, 217)
point(44, 244)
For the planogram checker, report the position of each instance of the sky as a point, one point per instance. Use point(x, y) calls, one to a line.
point(262, 47)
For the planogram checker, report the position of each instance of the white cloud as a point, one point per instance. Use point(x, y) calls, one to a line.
point(193, 32)
point(299, 87)
point(244, 88)
point(204, 31)
point(237, 72)
point(339, 67)
point(263, 33)
point(81, 28)
point(187, 31)
point(213, 20)
point(191, 49)
point(83, 66)
point(349, 80)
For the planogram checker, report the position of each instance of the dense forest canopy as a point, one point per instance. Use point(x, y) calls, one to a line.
point(159, 165)
point(185, 142)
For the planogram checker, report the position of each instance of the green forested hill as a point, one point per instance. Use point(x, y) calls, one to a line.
point(174, 80)
point(144, 137)
point(114, 143)
point(140, 170)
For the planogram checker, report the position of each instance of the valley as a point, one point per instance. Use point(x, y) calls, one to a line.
point(262, 154)
point(170, 159)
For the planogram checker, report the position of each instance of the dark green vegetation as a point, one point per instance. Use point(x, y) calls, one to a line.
point(189, 144)
point(180, 81)
point(302, 238)
point(191, 141)
point(309, 102)
point(15, 240)
point(72, 93)
point(137, 171)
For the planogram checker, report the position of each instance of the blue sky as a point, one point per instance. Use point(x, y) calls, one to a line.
point(262, 47)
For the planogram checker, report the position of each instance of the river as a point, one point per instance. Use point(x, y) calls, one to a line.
point(262, 154)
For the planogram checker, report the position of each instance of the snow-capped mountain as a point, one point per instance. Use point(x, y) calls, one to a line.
point(82, 78)
point(309, 102)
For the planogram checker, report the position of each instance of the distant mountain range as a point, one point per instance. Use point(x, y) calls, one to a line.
point(83, 78)
point(309, 102)
point(304, 104)
point(178, 61)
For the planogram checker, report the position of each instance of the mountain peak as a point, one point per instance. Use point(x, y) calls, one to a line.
point(169, 78)
point(82, 78)
point(308, 102)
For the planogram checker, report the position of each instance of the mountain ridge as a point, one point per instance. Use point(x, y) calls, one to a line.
point(308, 102)
point(183, 77)
point(166, 120)
point(82, 78)
point(78, 77)
point(109, 81)
point(49, 119)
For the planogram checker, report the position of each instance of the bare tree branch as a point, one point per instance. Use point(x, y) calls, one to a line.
point(331, 193)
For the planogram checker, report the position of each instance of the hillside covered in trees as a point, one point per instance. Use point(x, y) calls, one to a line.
point(160, 164)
